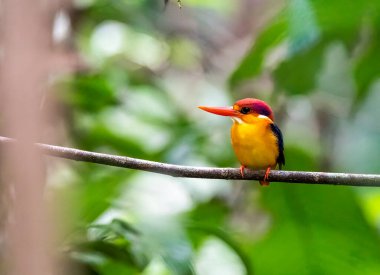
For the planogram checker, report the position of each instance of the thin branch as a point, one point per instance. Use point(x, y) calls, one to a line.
point(205, 172)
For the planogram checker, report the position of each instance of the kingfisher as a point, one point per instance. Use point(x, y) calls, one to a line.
point(256, 139)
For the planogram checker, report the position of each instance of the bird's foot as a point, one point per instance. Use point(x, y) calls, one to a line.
point(266, 176)
point(242, 171)
point(265, 181)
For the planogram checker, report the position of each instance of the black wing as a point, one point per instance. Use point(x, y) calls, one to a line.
point(280, 142)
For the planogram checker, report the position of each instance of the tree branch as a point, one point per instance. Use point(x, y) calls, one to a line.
point(205, 172)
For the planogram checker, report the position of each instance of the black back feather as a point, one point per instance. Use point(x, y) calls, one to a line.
point(280, 143)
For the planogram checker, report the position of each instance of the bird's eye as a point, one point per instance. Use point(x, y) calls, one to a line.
point(245, 110)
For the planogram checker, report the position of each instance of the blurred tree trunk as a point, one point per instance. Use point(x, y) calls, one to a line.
point(26, 37)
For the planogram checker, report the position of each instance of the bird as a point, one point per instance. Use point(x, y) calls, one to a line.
point(256, 139)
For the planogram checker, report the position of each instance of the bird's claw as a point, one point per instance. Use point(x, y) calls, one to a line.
point(242, 171)
point(265, 181)
point(267, 172)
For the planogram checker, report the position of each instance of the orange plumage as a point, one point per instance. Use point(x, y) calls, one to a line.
point(256, 139)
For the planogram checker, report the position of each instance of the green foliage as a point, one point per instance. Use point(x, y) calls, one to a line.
point(85, 87)
point(288, 76)
point(316, 230)
point(367, 68)
point(96, 195)
point(252, 64)
point(307, 28)
point(112, 249)
point(139, 99)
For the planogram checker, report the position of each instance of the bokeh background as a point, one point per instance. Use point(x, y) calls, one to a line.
point(140, 70)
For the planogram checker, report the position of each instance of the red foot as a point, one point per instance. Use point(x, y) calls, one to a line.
point(265, 181)
point(242, 171)
point(267, 174)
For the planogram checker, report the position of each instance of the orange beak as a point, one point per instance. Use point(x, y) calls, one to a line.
point(221, 111)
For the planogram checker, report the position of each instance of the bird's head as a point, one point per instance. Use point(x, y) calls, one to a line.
point(243, 110)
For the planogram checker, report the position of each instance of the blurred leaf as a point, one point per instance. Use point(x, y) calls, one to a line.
point(304, 23)
point(123, 227)
point(251, 65)
point(93, 196)
point(299, 24)
point(298, 159)
point(316, 230)
point(298, 74)
point(115, 230)
point(212, 212)
point(367, 69)
point(91, 93)
point(303, 28)
point(107, 249)
point(168, 241)
point(323, 228)
point(207, 219)
point(116, 268)
point(340, 17)
point(225, 237)
point(133, 12)
point(114, 246)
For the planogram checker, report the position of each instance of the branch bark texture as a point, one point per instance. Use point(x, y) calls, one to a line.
point(205, 172)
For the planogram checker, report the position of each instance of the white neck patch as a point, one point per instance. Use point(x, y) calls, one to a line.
point(238, 120)
point(264, 117)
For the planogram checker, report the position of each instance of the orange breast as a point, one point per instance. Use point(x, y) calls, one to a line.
point(254, 143)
